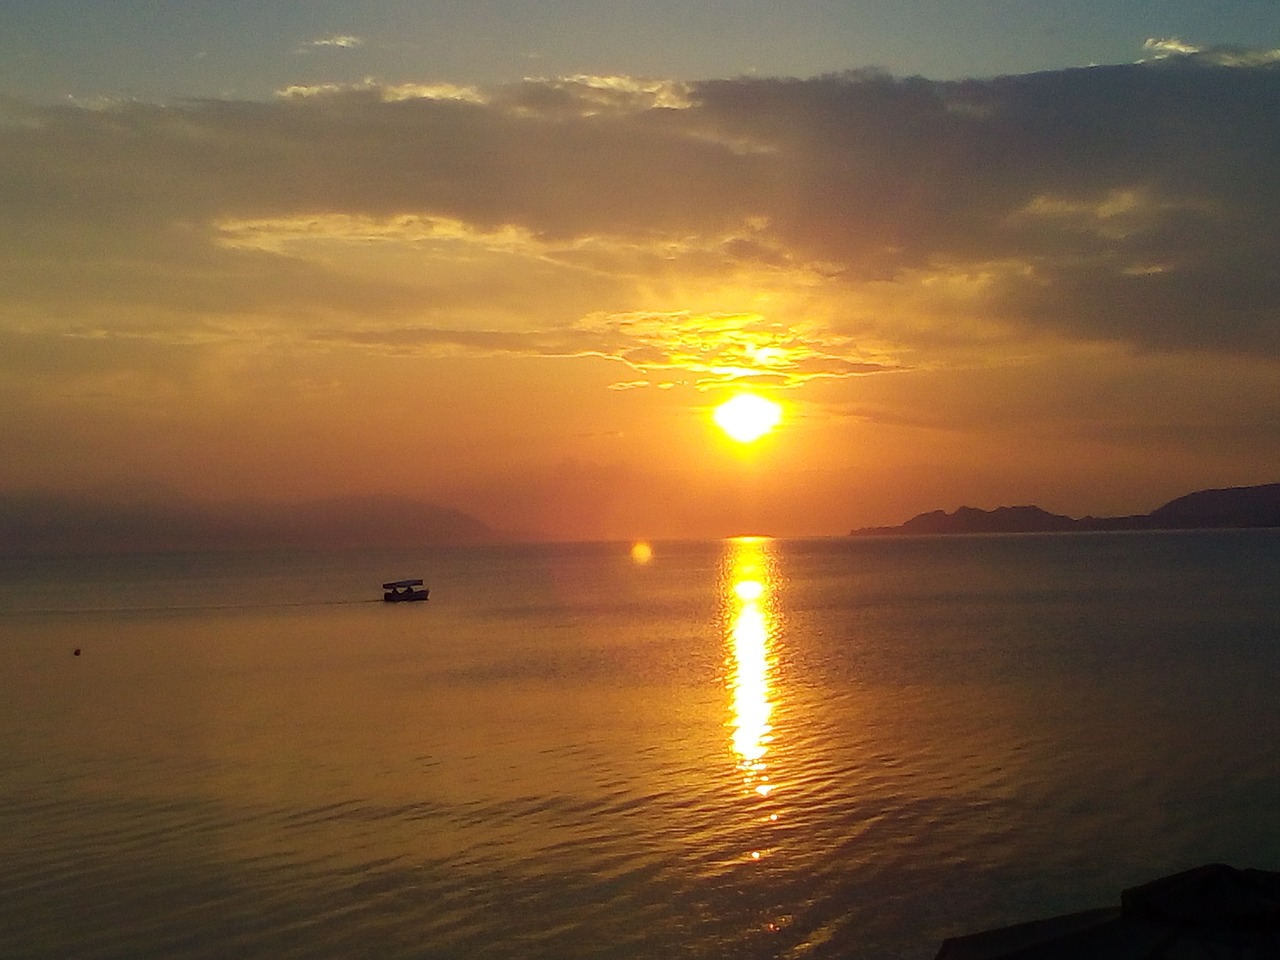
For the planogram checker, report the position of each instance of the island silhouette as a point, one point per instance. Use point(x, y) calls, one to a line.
point(1229, 507)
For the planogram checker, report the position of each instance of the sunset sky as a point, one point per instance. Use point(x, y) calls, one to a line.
point(509, 257)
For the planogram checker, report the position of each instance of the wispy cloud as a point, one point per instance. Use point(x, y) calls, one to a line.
point(339, 41)
point(385, 93)
point(1220, 55)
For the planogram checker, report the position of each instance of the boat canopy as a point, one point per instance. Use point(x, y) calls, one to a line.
point(397, 584)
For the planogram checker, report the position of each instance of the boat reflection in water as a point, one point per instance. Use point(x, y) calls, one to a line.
point(751, 627)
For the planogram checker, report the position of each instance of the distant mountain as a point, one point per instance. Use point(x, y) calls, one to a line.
point(50, 523)
point(1231, 507)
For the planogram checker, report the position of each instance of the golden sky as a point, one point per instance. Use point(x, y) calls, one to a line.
point(523, 300)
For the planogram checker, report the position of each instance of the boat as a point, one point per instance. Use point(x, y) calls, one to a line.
point(398, 590)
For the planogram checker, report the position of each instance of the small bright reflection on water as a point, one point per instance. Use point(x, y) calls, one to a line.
point(751, 631)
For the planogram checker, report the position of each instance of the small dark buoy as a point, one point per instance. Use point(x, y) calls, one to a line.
point(75, 652)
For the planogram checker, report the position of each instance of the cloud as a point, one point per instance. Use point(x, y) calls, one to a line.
point(341, 41)
point(1168, 46)
point(1223, 56)
point(606, 93)
point(581, 95)
point(701, 350)
point(748, 228)
point(724, 348)
point(385, 93)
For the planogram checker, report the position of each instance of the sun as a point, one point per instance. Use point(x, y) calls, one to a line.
point(747, 417)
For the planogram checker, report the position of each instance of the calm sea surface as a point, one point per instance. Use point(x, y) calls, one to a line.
point(748, 749)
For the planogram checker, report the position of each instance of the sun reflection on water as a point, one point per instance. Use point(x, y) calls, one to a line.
point(751, 630)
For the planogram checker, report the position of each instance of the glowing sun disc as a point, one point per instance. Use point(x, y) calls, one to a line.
point(747, 417)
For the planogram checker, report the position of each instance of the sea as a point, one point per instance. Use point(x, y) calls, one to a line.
point(730, 750)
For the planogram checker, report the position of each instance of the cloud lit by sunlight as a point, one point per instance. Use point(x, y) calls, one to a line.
point(343, 41)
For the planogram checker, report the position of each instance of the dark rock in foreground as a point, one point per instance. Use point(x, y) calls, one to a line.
point(1231, 507)
point(1209, 911)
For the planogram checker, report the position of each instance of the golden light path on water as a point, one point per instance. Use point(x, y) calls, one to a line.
point(751, 627)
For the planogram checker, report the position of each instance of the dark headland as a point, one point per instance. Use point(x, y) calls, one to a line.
point(1232, 507)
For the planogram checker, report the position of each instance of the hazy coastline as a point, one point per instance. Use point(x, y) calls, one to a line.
point(58, 524)
point(1230, 507)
